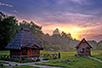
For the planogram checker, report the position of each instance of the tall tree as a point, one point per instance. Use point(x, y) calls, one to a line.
point(8, 28)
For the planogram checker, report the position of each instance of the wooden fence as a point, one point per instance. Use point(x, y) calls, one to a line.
point(48, 55)
point(44, 55)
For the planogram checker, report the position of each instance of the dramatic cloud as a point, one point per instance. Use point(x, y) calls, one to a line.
point(3, 4)
point(80, 1)
point(81, 18)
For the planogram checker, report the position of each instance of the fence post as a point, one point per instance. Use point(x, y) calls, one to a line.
point(59, 55)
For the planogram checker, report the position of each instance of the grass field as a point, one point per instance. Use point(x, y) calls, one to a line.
point(22, 66)
point(69, 60)
point(74, 62)
point(94, 53)
point(79, 62)
point(97, 54)
point(4, 52)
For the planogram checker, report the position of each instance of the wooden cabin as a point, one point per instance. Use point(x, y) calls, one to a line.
point(83, 48)
point(24, 45)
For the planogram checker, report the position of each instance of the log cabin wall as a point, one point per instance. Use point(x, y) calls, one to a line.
point(36, 52)
point(24, 51)
point(14, 53)
point(83, 51)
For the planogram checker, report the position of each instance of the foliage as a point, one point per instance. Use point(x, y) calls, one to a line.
point(45, 58)
point(35, 29)
point(20, 61)
point(56, 42)
point(99, 46)
point(38, 59)
point(1, 65)
point(8, 28)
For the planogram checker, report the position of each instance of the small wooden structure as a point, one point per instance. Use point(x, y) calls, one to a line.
point(83, 48)
point(24, 45)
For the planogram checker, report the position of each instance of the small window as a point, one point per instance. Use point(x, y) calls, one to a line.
point(83, 49)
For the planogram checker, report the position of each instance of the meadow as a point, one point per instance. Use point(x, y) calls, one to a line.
point(69, 60)
point(22, 66)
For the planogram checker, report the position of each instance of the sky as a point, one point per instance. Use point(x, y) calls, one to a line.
point(81, 18)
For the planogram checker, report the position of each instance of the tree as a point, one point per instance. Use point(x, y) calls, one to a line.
point(35, 29)
point(8, 28)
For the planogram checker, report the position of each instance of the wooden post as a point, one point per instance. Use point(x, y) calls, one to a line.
point(59, 55)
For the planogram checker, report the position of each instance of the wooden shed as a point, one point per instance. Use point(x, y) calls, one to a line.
point(83, 48)
point(24, 45)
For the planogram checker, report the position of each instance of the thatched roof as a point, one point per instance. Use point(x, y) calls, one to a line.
point(24, 38)
point(83, 41)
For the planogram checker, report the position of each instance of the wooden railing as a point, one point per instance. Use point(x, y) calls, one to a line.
point(4, 56)
point(48, 55)
point(15, 56)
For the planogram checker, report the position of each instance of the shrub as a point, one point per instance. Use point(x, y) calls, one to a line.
point(46, 59)
point(33, 60)
point(16, 64)
point(38, 59)
point(29, 60)
point(9, 64)
point(20, 61)
point(25, 61)
point(55, 58)
point(1, 65)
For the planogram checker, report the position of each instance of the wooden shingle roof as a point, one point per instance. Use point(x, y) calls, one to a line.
point(24, 38)
point(83, 41)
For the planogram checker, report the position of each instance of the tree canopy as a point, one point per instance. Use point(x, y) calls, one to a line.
point(9, 27)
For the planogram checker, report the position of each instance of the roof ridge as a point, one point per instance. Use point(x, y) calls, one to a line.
point(82, 41)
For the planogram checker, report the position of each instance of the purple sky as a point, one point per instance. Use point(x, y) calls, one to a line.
point(81, 18)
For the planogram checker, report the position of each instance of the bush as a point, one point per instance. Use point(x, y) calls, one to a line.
point(16, 64)
point(38, 59)
point(25, 61)
point(55, 58)
point(33, 60)
point(29, 60)
point(9, 64)
point(1, 65)
point(46, 59)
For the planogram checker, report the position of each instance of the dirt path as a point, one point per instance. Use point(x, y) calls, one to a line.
point(96, 59)
point(30, 64)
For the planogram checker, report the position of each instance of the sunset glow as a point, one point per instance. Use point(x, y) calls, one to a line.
point(70, 16)
point(73, 30)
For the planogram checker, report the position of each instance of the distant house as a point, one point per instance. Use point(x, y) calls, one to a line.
point(24, 44)
point(83, 48)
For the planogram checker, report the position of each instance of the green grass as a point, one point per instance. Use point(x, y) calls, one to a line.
point(80, 62)
point(97, 54)
point(63, 54)
point(4, 52)
point(22, 66)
